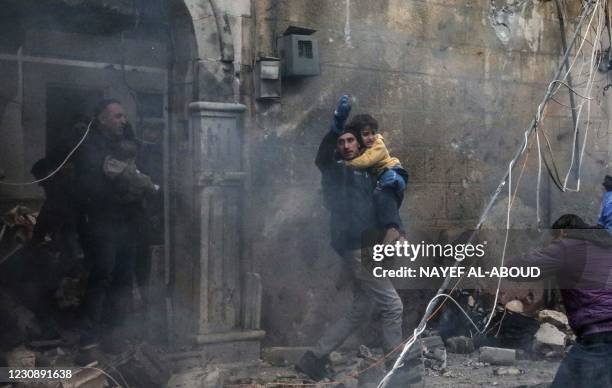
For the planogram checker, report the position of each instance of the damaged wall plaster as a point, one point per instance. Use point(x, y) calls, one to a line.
point(516, 19)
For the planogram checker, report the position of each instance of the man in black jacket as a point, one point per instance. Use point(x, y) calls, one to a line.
point(110, 246)
point(348, 195)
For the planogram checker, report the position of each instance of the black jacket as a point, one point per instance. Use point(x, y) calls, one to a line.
point(97, 195)
point(348, 195)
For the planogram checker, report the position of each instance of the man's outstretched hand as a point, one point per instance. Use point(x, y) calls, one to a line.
point(341, 114)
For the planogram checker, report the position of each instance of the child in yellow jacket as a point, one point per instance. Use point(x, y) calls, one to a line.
point(392, 178)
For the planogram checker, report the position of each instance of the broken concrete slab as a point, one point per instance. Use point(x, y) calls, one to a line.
point(555, 318)
point(497, 356)
point(549, 341)
point(281, 356)
point(461, 345)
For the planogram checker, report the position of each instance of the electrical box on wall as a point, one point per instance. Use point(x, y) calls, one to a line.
point(299, 52)
point(268, 78)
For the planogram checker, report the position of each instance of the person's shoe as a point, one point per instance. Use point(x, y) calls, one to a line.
point(312, 366)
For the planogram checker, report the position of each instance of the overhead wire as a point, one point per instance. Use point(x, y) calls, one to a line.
point(587, 7)
point(61, 165)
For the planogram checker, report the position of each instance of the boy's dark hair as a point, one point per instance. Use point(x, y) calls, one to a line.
point(360, 122)
point(607, 183)
point(570, 221)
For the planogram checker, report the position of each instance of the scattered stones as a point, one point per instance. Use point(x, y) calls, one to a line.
point(508, 371)
point(461, 345)
point(555, 318)
point(549, 341)
point(497, 356)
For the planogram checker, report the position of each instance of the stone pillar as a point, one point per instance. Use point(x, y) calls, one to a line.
point(226, 298)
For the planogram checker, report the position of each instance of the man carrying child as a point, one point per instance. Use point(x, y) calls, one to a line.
point(349, 195)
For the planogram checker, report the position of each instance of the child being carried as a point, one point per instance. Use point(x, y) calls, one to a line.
point(391, 177)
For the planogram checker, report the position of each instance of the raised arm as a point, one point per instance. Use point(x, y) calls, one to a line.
point(326, 152)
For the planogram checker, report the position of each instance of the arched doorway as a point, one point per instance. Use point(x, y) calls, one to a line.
point(58, 58)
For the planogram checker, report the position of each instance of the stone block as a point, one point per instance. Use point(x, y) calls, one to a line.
point(555, 318)
point(497, 356)
point(461, 345)
point(549, 341)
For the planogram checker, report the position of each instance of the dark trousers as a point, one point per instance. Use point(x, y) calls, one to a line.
point(586, 364)
point(368, 291)
point(387, 202)
point(112, 250)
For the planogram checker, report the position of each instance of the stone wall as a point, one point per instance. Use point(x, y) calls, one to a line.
point(453, 84)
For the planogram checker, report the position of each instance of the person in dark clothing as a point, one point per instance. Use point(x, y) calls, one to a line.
point(111, 223)
point(580, 259)
point(348, 196)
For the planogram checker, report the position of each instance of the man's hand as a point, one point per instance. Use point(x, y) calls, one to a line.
point(341, 114)
point(392, 179)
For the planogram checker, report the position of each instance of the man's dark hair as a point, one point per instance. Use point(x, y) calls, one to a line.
point(102, 105)
point(570, 221)
point(360, 122)
point(607, 183)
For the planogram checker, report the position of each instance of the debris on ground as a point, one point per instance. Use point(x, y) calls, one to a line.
point(434, 353)
point(461, 345)
point(497, 356)
point(549, 341)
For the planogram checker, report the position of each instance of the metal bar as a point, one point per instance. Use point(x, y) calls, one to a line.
point(77, 63)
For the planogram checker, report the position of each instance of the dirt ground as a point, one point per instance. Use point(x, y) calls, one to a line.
point(462, 371)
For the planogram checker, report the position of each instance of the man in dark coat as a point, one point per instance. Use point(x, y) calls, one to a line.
point(348, 195)
point(110, 246)
point(580, 257)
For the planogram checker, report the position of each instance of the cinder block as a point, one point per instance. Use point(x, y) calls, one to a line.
point(497, 356)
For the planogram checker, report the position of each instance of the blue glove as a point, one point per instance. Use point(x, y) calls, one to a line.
point(393, 180)
point(341, 114)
